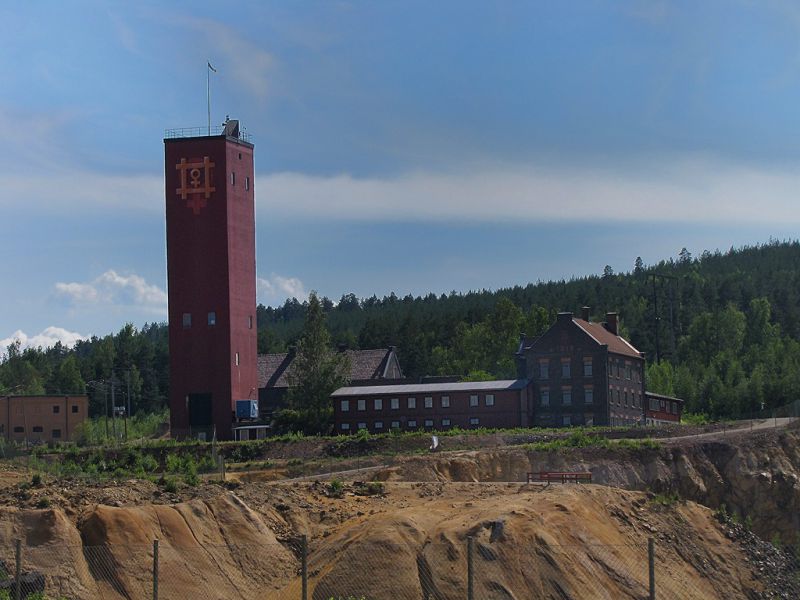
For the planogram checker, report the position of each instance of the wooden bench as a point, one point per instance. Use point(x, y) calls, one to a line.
point(559, 477)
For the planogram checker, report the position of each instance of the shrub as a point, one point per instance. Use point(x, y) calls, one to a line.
point(335, 488)
point(36, 480)
point(43, 502)
point(666, 499)
point(174, 463)
point(169, 484)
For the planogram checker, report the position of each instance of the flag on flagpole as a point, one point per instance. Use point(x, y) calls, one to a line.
point(210, 67)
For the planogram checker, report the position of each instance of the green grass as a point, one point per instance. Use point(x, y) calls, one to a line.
point(579, 439)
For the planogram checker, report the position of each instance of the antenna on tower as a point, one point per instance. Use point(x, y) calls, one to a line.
point(208, 91)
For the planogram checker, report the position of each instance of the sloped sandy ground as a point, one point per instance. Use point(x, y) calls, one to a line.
point(562, 542)
point(207, 549)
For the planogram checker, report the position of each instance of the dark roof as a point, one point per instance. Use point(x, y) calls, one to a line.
point(273, 369)
point(663, 397)
point(433, 388)
point(601, 335)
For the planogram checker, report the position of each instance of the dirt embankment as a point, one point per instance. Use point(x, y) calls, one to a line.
point(565, 542)
point(755, 475)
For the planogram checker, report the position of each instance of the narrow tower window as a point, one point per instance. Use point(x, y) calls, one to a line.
point(212, 318)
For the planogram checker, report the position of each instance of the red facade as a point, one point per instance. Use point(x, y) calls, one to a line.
point(211, 271)
point(436, 406)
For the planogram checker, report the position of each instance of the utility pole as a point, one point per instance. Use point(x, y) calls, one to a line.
point(657, 318)
point(105, 395)
point(128, 412)
point(113, 409)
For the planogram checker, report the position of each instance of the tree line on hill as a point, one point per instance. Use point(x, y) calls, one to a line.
point(721, 330)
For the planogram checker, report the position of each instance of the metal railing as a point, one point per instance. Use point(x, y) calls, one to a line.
point(190, 132)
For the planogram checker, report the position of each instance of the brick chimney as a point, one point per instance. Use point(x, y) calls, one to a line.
point(585, 313)
point(611, 322)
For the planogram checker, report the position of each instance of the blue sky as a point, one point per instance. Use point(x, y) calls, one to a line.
point(400, 146)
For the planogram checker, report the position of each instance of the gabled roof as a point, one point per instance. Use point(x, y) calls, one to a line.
point(597, 332)
point(273, 369)
point(601, 335)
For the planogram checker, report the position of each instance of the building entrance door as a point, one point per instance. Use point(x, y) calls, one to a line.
point(200, 414)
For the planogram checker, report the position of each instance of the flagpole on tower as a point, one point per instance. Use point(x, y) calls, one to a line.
point(208, 92)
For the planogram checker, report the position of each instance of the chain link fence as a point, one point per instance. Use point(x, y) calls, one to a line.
point(479, 567)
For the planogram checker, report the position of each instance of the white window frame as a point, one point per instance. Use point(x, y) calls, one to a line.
point(362, 425)
point(394, 403)
point(378, 404)
point(428, 422)
point(361, 405)
point(378, 425)
point(445, 422)
point(488, 399)
point(345, 426)
point(473, 400)
point(428, 402)
point(566, 397)
point(474, 421)
point(445, 401)
point(412, 402)
point(344, 406)
point(395, 425)
point(412, 423)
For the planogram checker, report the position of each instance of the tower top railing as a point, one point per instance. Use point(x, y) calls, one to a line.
point(215, 130)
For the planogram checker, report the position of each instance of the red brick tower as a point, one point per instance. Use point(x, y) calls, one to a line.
point(211, 273)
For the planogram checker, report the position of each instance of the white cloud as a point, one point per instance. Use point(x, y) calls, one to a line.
point(275, 289)
point(112, 288)
point(241, 60)
point(47, 338)
point(691, 190)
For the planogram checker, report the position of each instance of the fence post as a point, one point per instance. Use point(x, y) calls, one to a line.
point(155, 569)
point(304, 572)
point(470, 570)
point(651, 559)
point(18, 580)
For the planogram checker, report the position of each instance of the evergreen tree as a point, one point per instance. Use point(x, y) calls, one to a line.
point(316, 372)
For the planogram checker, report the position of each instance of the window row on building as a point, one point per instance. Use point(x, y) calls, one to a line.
point(624, 369)
point(211, 320)
point(566, 396)
point(565, 367)
point(667, 406)
point(379, 404)
point(409, 424)
point(625, 398)
point(54, 433)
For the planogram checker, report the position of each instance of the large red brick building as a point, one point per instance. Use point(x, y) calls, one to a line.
point(211, 271)
point(584, 373)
